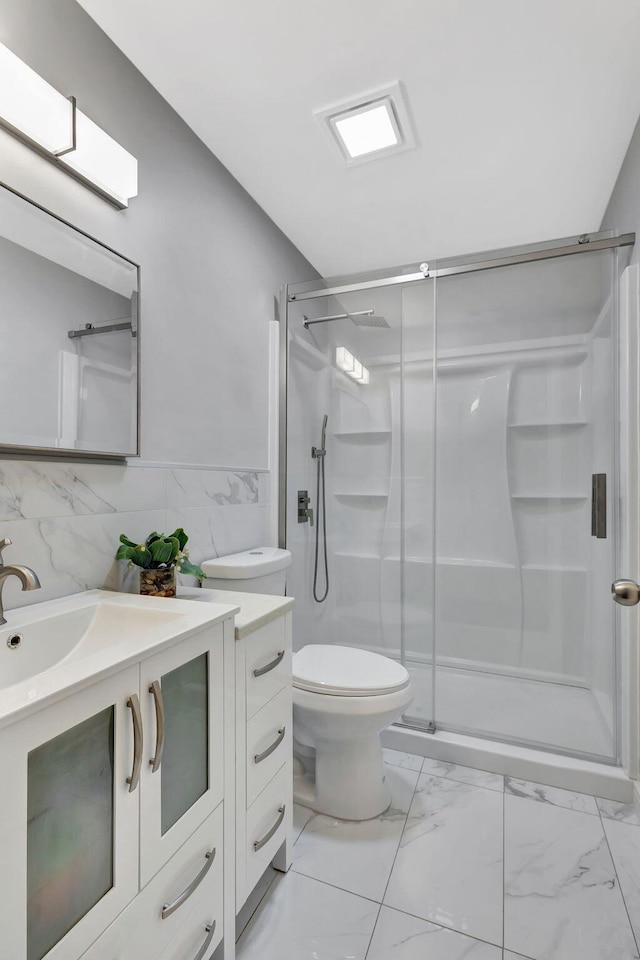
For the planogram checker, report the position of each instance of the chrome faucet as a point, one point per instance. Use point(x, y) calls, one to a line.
point(25, 575)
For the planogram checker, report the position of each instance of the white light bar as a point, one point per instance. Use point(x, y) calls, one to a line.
point(100, 159)
point(37, 113)
point(33, 107)
point(346, 362)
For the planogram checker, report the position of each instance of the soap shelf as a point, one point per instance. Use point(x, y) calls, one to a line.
point(346, 434)
point(550, 496)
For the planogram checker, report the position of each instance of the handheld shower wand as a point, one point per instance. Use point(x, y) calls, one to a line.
point(319, 454)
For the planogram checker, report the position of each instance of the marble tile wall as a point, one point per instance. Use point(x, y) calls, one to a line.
point(65, 519)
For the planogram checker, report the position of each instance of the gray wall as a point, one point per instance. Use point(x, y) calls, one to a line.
point(623, 210)
point(212, 264)
point(212, 261)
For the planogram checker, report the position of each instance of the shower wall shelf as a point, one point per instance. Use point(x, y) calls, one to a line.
point(345, 554)
point(548, 425)
point(362, 494)
point(346, 434)
point(550, 496)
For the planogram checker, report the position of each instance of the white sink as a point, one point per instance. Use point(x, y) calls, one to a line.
point(47, 649)
point(32, 647)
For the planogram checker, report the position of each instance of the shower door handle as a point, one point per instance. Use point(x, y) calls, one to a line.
point(626, 592)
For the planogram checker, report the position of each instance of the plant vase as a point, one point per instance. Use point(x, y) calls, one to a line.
point(160, 582)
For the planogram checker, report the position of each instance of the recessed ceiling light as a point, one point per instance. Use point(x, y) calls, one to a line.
point(370, 126)
point(368, 129)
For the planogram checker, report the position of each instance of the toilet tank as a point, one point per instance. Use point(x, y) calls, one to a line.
point(259, 570)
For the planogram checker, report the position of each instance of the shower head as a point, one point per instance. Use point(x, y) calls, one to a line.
point(368, 320)
point(317, 452)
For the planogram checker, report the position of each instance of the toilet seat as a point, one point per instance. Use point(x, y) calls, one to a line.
point(346, 671)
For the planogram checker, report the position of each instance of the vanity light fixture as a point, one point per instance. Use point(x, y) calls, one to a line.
point(370, 126)
point(346, 362)
point(38, 115)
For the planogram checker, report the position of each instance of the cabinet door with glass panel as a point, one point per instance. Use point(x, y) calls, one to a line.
point(69, 820)
point(181, 783)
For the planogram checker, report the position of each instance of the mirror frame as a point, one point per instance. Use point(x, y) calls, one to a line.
point(64, 453)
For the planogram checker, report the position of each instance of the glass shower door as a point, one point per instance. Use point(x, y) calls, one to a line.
point(526, 430)
point(364, 358)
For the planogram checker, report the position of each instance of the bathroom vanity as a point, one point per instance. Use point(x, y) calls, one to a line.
point(263, 734)
point(146, 751)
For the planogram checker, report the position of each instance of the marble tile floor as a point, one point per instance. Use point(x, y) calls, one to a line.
point(465, 865)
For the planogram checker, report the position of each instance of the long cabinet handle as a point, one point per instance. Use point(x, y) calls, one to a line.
point(260, 671)
point(134, 705)
point(259, 844)
point(210, 930)
point(156, 693)
point(170, 908)
point(259, 757)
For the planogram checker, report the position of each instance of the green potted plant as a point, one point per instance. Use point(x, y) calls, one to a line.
point(158, 558)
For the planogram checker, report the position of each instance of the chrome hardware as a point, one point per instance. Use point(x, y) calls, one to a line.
point(336, 316)
point(210, 930)
point(260, 671)
point(134, 705)
point(259, 844)
point(625, 592)
point(599, 505)
point(584, 238)
point(25, 575)
point(14, 641)
point(318, 452)
point(89, 330)
point(259, 757)
point(305, 513)
point(424, 269)
point(170, 908)
point(510, 257)
point(156, 693)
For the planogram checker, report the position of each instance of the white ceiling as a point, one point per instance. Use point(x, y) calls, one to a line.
point(523, 110)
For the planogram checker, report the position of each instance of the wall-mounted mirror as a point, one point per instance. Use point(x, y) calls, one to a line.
point(69, 324)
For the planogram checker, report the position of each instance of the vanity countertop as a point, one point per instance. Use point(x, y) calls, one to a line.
point(256, 609)
point(66, 644)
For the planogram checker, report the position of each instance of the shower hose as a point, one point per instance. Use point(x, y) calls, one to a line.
point(322, 508)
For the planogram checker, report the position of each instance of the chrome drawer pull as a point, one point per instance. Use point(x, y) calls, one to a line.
point(259, 757)
point(210, 930)
point(170, 908)
point(259, 844)
point(134, 705)
point(156, 693)
point(260, 671)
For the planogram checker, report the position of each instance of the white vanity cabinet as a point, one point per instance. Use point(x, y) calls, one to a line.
point(112, 815)
point(68, 823)
point(264, 774)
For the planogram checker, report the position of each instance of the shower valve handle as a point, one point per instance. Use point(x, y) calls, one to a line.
point(305, 513)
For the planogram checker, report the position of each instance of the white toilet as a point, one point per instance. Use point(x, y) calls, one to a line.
point(343, 698)
point(259, 570)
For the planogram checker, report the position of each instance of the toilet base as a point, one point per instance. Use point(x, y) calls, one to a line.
point(349, 780)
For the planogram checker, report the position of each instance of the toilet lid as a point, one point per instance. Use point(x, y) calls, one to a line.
point(346, 671)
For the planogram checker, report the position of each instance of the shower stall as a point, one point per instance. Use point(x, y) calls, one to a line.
point(470, 478)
